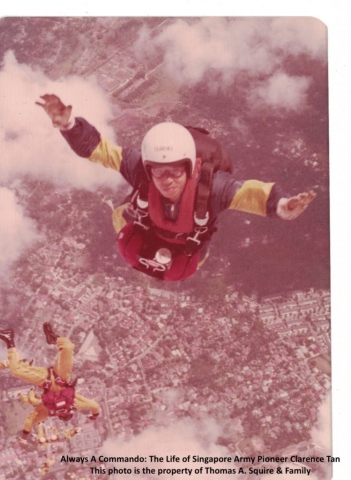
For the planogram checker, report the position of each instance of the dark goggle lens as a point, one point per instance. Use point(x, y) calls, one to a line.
point(174, 172)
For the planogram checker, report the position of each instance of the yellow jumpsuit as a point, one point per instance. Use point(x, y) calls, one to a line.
point(38, 375)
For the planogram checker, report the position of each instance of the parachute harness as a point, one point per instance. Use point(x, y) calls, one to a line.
point(213, 158)
point(193, 240)
point(58, 403)
point(138, 209)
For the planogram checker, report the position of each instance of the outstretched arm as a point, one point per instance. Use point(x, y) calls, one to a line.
point(82, 137)
point(81, 402)
point(266, 199)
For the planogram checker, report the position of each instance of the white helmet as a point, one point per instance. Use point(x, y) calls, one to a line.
point(168, 142)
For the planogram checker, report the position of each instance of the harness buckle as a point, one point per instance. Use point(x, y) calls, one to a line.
point(138, 215)
point(201, 222)
point(198, 231)
point(138, 210)
point(46, 385)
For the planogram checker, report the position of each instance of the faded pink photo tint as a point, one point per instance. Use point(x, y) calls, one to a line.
point(164, 206)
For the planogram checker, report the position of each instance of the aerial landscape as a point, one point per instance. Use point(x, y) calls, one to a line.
point(234, 361)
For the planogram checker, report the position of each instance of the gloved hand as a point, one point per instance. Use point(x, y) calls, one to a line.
point(57, 111)
point(291, 208)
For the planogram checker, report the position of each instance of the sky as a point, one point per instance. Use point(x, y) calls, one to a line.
point(31, 146)
point(250, 46)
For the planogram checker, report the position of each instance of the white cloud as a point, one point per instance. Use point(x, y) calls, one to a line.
point(230, 46)
point(194, 48)
point(28, 142)
point(221, 49)
point(181, 439)
point(31, 146)
point(321, 433)
point(16, 231)
point(281, 91)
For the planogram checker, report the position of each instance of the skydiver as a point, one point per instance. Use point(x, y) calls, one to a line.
point(59, 397)
point(160, 231)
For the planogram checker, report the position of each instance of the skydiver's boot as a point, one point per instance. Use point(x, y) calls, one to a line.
point(8, 337)
point(51, 337)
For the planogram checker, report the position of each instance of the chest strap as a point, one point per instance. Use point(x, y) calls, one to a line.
point(58, 380)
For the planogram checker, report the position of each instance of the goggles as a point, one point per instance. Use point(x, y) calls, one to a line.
point(174, 172)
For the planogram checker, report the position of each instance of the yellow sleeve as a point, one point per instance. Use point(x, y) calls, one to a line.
point(86, 404)
point(117, 217)
point(107, 154)
point(252, 197)
point(39, 414)
point(23, 398)
point(40, 430)
point(33, 399)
